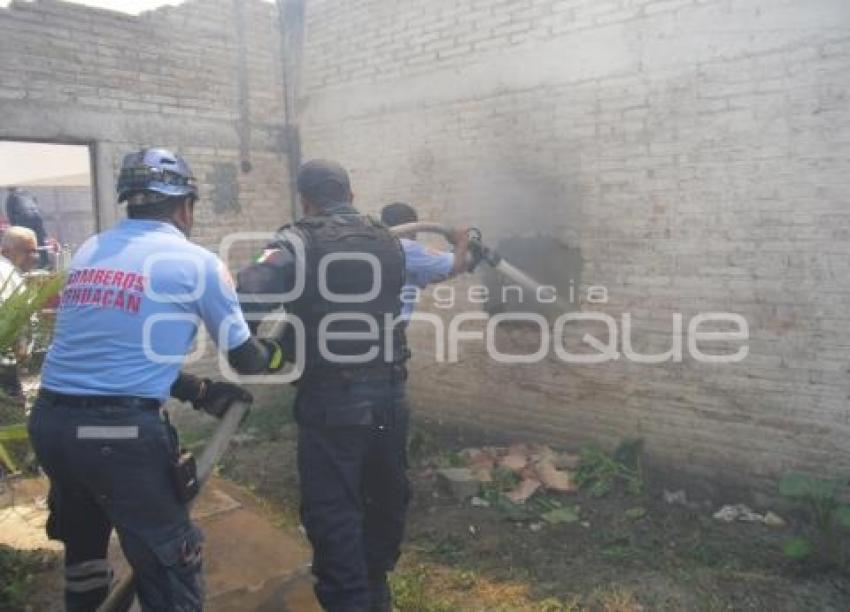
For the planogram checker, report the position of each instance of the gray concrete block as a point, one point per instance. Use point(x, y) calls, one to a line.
point(458, 482)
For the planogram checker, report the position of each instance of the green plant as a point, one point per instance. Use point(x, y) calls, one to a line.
point(503, 480)
point(12, 433)
point(599, 471)
point(410, 593)
point(552, 604)
point(422, 444)
point(449, 459)
point(17, 309)
point(16, 312)
point(464, 579)
point(17, 569)
point(830, 519)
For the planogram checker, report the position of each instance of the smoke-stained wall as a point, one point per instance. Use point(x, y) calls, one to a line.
point(693, 155)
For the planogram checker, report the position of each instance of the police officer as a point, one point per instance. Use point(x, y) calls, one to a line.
point(131, 306)
point(350, 407)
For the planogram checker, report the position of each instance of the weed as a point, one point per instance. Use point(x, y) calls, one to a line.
point(599, 471)
point(448, 548)
point(556, 605)
point(830, 520)
point(422, 444)
point(12, 436)
point(503, 480)
point(17, 570)
point(615, 599)
point(410, 593)
point(464, 580)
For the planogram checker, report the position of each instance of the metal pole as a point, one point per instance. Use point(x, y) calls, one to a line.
point(291, 25)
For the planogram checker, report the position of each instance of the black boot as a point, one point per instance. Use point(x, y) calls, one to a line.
point(380, 597)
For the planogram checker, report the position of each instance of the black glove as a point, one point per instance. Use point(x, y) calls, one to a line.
point(476, 249)
point(217, 396)
point(213, 397)
point(276, 356)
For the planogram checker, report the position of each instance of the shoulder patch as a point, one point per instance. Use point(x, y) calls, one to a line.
point(270, 256)
point(225, 276)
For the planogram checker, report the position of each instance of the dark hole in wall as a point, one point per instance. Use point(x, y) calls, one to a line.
point(549, 261)
point(225, 188)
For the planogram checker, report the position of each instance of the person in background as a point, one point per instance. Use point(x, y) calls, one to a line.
point(22, 210)
point(18, 255)
point(424, 265)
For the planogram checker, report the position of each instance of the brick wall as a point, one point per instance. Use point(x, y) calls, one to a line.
point(692, 155)
point(695, 154)
point(183, 77)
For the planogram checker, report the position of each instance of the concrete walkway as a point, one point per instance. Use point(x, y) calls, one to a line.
point(249, 563)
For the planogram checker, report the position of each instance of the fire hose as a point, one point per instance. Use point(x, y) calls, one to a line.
point(480, 252)
point(121, 596)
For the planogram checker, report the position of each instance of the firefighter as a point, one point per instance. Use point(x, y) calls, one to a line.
point(350, 407)
point(132, 304)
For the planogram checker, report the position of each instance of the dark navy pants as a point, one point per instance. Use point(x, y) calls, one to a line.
point(109, 466)
point(352, 466)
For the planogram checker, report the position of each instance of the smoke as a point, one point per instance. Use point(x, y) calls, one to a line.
point(509, 198)
point(529, 214)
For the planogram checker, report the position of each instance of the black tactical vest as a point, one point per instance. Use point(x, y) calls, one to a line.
point(360, 264)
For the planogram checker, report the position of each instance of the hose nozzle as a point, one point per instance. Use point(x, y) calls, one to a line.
point(480, 252)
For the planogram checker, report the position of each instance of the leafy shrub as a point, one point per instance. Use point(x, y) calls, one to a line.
point(17, 568)
point(826, 536)
point(16, 312)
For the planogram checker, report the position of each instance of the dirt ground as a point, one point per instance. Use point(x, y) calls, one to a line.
point(626, 552)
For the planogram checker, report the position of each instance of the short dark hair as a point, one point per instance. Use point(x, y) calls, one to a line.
point(155, 210)
point(398, 213)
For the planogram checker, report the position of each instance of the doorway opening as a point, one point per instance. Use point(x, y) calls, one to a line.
point(48, 187)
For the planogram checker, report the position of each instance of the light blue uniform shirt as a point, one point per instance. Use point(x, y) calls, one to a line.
point(423, 266)
point(131, 307)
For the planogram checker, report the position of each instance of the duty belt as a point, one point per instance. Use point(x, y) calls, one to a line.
point(98, 401)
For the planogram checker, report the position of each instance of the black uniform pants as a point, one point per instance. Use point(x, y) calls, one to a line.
point(109, 466)
point(352, 464)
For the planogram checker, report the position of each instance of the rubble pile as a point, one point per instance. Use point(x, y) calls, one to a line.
point(534, 467)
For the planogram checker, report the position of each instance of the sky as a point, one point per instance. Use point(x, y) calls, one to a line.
point(134, 7)
point(21, 162)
